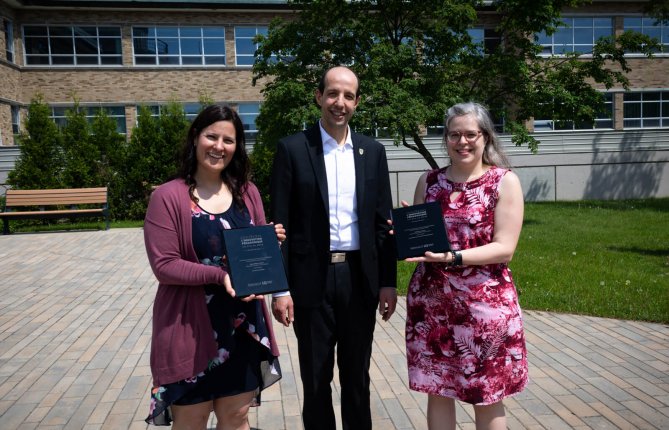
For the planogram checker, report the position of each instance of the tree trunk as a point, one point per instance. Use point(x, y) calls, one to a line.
point(420, 148)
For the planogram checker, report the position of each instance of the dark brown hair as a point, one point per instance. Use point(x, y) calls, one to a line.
point(236, 174)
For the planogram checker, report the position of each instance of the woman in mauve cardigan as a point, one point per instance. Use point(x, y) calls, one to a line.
point(203, 339)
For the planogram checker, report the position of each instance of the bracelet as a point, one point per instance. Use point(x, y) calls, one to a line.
point(457, 258)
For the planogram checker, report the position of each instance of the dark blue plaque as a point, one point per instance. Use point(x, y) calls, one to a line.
point(419, 228)
point(254, 260)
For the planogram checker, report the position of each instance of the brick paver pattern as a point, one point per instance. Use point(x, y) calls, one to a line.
point(75, 330)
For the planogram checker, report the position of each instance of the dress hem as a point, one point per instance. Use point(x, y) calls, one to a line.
point(485, 403)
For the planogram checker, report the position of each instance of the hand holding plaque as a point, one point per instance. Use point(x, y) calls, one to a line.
point(419, 228)
point(254, 260)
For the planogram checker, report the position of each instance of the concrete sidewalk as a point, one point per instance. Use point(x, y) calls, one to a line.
point(75, 326)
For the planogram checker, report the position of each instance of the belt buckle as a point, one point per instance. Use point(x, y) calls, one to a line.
point(337, 257)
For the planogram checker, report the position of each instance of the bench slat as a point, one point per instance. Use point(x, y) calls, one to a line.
point(55, 200)
point(63, 213)
point(54, 197)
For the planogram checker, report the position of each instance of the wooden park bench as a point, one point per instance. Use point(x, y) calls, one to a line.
point(51, 204)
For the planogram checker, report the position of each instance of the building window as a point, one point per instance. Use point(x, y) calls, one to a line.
point(604, 119)
point(435, 131)
point(16, 120)
point(9, 40)
point(72, 45)
point(179, 46)
point(191, 110)
point(650, 27)
point(248, 112)
point(485, 39)
point(646, 109)
point(59, 115)
point(245, 47)
point(575, 34)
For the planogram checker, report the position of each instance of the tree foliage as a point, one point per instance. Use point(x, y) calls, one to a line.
point(80, 167)
point(41, 162)
point(658, 9)
point(415, 59)
point(91, 153)
point(111, 166)
point(152, 153)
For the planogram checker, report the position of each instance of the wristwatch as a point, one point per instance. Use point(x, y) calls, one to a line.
point(457, 258)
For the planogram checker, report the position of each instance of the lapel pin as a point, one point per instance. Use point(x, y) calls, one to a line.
point(361, 151)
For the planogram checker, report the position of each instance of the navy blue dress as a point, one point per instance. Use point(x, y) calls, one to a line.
point(244, 362)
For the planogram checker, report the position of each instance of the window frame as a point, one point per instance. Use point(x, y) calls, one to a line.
point(663, 29)
point(241, 38)
point(15, 112)
point(551, 45)
point(8, 29)
point(250, 126)
point(76, 39)
point(489, 42)
point(549, 125)
point(58, 113)
point(191, 110)
point(663, 106)
point(180, 40)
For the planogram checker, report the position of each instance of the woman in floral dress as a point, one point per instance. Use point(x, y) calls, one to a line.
point(464, 329)
point(210, 351)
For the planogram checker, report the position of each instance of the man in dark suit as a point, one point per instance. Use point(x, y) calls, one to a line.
point(330, 189)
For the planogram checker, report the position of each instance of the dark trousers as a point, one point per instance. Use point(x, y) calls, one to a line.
point(345, 319)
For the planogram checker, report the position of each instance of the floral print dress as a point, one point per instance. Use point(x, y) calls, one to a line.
point(244, 362)
point(464, 328)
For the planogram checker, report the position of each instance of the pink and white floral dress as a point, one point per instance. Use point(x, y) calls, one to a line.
point(464, 328)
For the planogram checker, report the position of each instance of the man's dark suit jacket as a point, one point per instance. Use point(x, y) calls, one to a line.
point(299, 200)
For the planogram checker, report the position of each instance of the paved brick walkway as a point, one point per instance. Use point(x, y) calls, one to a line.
point(75, 313)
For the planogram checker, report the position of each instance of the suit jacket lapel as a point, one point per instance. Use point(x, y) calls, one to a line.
point(315, 150)
point(359, 160)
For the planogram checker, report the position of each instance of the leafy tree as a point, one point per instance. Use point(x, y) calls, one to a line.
point(658, 9)
point(80, 153)
point(141, 160)
point(415, 59)
point(152, 153)
point(40, 163)
point(173, 128)
point(112, 165)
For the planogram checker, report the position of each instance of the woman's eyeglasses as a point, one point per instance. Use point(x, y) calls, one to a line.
point(470, 136)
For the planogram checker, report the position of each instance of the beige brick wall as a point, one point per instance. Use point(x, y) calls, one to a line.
point(138, 85)
point(10, 87)
point(649, 72)
point(129, 84)
point(10, 78)
point(6, 136)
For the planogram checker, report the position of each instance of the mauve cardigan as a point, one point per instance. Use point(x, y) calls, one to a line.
point(182, 342)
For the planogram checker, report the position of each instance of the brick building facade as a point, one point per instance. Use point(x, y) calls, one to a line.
point(121, 54)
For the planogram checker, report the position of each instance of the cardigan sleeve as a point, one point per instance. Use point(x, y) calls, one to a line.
point(166, 246)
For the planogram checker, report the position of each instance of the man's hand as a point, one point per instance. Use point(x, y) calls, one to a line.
point(387, 302)
point(280, 232)
point(282, 308)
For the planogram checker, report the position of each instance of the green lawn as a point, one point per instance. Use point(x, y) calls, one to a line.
point(600, 258)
